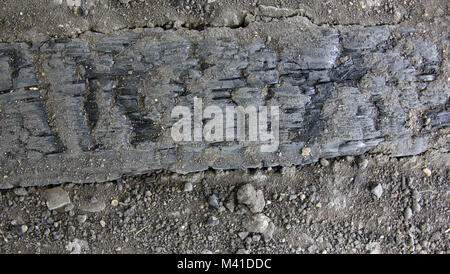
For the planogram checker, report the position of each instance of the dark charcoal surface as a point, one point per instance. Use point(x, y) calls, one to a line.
point(93, 108)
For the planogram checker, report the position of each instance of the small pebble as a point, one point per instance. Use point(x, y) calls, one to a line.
point(82, 218)
point(377, 191)
point(408, 213)
point(427, 172)
point(258, 223)
point(416, 207)
point(324, 162)
point(81, 11)
point(243, 251)
point(56, 198)
point(256, 238)
point(114, 203)
point(188, 187)
point(306, 151)
point(363, 163)
point(243, 235)
point(69, 207)
point(254, 199)
point(349, 158)
point(20, 191)
point(230, 205)
point(212, 221)
point(213, 202)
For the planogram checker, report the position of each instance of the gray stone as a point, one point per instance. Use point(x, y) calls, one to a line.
point(408, 213)
point(349, 158)
point(256, 237)
point(268, 233)
point(81, 219)
point(312, 249)
point(69, 207)
point(230, 204)
point(243, 251)
point(188, 187)
point(243, 234)
point(377, 191)
point(57, 198)
point(305, 240)
point(212, 221)
point(373, 248)
point(252, 198)
point(258, 223)
point(213, 202)
point(207, 252)
point(363, 163)
point(77, 246)
point(20, 191)
point(416, 207)
point(324, 162)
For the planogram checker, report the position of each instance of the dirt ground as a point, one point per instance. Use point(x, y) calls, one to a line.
point(366, 204)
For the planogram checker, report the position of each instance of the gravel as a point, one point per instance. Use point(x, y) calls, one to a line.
point(173, 222)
